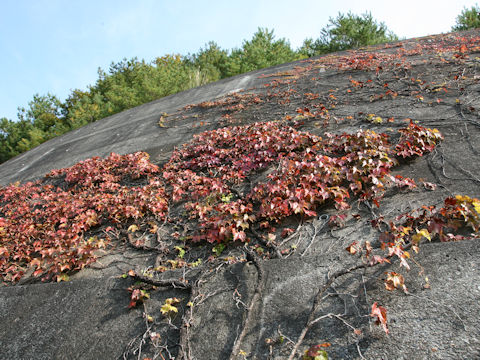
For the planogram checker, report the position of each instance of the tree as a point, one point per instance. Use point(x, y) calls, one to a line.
point(42, 120)
point(211, 60)
point(11, 133)
point(133, 82)
point(468, 19)
point(260, 52)
point(347, 32)
point(308, 48)
point(44, 112)
point(84, 107)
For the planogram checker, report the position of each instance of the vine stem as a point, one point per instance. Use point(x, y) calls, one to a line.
point(174, 283)
point(249, 313)
point(316, 304)
point(184, 350)
point(318, 298)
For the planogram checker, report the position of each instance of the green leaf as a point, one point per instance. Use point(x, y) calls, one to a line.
point(168, 307)
point(218, 249)
point(181, 251)
point(63, 277)
point(227, 198)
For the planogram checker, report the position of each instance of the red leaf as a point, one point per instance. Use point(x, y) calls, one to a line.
point(286, 232)
point(380, 315)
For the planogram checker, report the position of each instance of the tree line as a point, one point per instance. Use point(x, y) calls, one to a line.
point(132, 82)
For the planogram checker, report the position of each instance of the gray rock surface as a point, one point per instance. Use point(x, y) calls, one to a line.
point(88, 318)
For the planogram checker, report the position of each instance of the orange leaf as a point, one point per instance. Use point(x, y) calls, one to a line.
point(395, 281)
point(352, 248)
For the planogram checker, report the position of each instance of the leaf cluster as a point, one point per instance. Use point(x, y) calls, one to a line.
point(311, 172)
point(44, 228)
point(430, 223)
point(459, 214)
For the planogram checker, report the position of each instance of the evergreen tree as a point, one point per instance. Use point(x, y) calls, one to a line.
point(260, 52)
point(347, 32)
point(468, 19)
point(211, 60)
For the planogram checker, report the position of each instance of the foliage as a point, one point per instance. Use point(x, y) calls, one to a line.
point(45, 228)
point(132, 82)
point(11, 138)
point(169, 308)
point(316, 352)
point(208, 168)
point(260, 52)
point(431, 223)
point(138, 296)
point(379, 313)
point(211, 60)
point(348, 31)
point(459, 213)
point(417, 140)
point(468, 19)
point(44, 113)
point(41, 121)
point(205, 175)
point(84, 107)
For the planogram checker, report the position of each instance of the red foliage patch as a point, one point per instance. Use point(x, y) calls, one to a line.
point(43, 227)
point(310, 171)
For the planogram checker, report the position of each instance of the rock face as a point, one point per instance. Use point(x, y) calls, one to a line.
point(277, 297)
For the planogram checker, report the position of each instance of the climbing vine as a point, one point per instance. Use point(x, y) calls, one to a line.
point(46, 229)
point(244, 184)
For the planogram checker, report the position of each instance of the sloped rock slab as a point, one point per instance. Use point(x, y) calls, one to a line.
point(81, 319)
point(434, 323)
point(89, 319)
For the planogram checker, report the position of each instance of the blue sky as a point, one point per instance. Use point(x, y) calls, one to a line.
point(57, 45)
